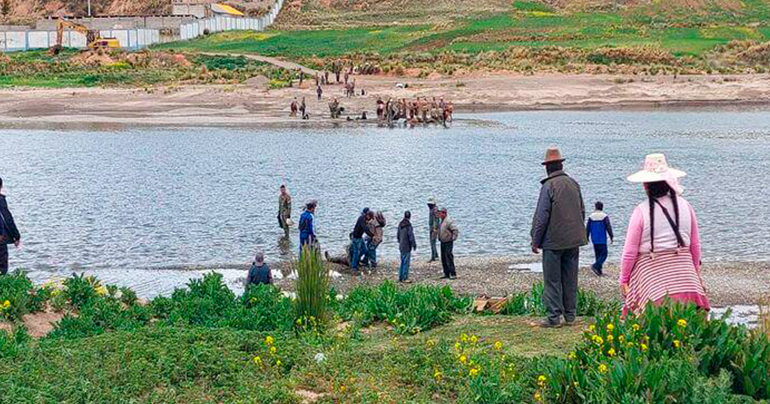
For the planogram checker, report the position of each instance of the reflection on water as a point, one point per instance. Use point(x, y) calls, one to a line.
point(138, 200)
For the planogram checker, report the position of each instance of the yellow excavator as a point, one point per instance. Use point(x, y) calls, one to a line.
point(93, 38)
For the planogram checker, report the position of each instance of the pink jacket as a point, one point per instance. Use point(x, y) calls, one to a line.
point(638, 235)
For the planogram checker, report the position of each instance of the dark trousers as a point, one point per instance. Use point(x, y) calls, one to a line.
point(448, 258)
point(433, 250)
point(359, 251)
point(600, 251)
point(560, 272)
point(3, 259)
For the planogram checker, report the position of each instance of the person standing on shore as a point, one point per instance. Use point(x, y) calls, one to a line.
point(557, 229)
point(307, 235)
point(259, 273)
point(303, 108)
point(9, 234)
point(597, 229)
point(320, 92)
point(375, 225)
point(361, 228)
point(447, 235)
point(284, 210)
point(433, 222)
point(406, 244)
point(662, 255)
point(293, 108)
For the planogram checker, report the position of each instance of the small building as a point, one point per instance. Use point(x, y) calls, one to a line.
point(203, 9)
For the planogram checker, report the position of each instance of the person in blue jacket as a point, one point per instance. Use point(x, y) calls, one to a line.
point(306, 226)
point(597, 230)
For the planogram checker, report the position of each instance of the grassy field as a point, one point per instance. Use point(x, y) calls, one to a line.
point(667, 24)
point(378, 344)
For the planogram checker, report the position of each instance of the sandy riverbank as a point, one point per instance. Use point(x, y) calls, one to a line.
point(249, 106)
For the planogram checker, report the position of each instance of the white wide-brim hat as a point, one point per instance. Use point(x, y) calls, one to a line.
point(656, 169)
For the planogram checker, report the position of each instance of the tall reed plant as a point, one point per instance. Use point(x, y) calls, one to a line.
point(312, 287)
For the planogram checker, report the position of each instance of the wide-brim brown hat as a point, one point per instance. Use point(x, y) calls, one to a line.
point(553, 155)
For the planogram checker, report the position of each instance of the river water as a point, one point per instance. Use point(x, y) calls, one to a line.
point(172, 201)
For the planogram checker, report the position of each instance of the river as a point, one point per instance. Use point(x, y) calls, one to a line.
point(176, 200)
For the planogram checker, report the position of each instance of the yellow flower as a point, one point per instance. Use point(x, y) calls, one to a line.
point(621, 339)
point(541, 380)
point(598, 340)
point(644, 347)
point(342, 389)
point(6, 304)
point(682, 322)
point(272, 350)
point(278, 363)
point(611, 352)
point(269, 340)
point(603, 368)
point(457, 346)
point(463, 359)
point(610, 338)
point(572, 356)
point(437, 375)
point(299, 321)
point(677, 344)
point(591, 328)
point(253, 300)
point(538, 396)
point(474, 339)
point(258, 360)
point(498, 345)
point(610, 327)
point(630, 345)
point(101, 291)
point(636, 327)
point(473, 372)
point(464, 337)
point(430, 343)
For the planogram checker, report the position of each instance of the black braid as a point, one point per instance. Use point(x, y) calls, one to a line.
point(652, 223)
point(676, 206)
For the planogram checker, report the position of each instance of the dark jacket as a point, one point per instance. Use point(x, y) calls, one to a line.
point(405, 237)
point(8, 230)
point(259, 275)
point(559, 220)
point(433, 222)
point(361, 228)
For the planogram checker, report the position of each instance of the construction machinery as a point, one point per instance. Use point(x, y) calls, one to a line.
point(94, 40)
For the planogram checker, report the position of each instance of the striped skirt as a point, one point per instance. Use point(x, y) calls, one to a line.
point(668, 273)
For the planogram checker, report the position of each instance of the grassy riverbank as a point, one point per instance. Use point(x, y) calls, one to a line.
point(667, 36)
point(131, 69)
point(378, 343)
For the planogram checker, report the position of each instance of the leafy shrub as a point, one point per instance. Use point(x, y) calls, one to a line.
point(409, 310)
point(80, 290)
point(18, 296)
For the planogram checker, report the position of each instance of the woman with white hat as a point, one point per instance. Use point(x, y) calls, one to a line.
point(662, 253)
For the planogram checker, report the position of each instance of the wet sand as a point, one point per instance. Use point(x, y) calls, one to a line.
point(248, 106)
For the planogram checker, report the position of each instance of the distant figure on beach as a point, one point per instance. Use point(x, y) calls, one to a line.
point(306, 226)
point(284, 210)
point(301, 76)
point(293, 107)
point(433, 222)
point(326, 77)
point(259, 273)
point(363, 92)
point(597, 229)
point(303, 108)
point(662, 255)
point(347, 76)
point(447, 235)
point(9, 234)
point(380, 108)
point(320, 92)
point(361, 228)
point(375, 225)
point(406, 244)
point(558, 229)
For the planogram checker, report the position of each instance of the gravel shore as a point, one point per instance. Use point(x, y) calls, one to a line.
point(728, 283)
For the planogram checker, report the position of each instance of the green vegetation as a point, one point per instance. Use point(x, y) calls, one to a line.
point(669, 36)
point(381, 344)
point(137, 69)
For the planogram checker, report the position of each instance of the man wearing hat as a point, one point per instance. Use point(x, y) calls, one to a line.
point(558, 229)
point(433, 222)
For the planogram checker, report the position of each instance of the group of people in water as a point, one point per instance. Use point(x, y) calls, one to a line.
point(661, 256)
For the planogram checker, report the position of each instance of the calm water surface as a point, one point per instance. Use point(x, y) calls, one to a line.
point(143, 204)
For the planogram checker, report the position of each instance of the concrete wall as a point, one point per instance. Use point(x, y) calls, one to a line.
point(136, 38)
point(152, 22)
